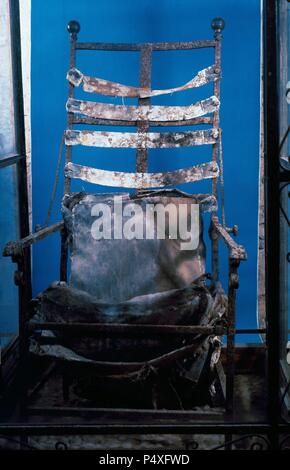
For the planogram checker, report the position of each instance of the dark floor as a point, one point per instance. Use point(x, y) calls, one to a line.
point(250, 407)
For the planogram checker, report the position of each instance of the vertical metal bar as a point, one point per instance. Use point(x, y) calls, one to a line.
point(228, 441)
point(21, 149)
point(214, 253)
point(23, 275)
point(63, 255)
point(73, 29)
point(143, 126)
point(216, 116)
point(261, 308)
point(217, 25)
point(272, 232)
point(231, 321)
point(65, 384)
point(283, 124)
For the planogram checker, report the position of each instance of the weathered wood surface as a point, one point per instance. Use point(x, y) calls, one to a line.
point(141, 180)
point(141, 140)
point(142, 113)
point(109, 88)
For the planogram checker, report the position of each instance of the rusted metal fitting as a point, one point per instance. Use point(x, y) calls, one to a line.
point(234, 230)
point(13, 249)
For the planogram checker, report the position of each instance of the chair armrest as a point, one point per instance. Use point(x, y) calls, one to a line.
point(15, 248)
point(237, 251)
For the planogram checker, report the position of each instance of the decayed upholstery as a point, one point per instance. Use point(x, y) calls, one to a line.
point(179, 381)
point(192, 305)
point(123, 281)
point(117, 270)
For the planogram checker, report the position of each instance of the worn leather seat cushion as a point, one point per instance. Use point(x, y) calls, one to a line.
point(193, 305)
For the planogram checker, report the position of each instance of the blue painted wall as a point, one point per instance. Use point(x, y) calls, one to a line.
point(162, 20)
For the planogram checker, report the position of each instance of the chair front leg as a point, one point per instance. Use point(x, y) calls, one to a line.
point(231, 326)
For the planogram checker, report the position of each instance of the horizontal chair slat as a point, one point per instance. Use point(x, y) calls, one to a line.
point(141, 140)
point(77, 119)
point(141, 180)
point(109, 88)
point(142, 113)
point(158, 46)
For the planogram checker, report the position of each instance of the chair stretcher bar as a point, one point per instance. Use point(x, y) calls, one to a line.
point(104, 368)
point(158, 46)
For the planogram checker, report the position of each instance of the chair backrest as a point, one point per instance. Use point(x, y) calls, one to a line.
point(143, 116)
point(116, 268)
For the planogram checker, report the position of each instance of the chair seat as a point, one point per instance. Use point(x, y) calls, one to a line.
point(193, 305)
point(131, 282)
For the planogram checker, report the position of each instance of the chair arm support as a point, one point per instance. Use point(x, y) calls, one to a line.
point(15, 248)
point(237, 252)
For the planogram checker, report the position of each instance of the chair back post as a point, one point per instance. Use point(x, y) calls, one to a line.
point(217, 25)
point(73, 28)
point(145, 82)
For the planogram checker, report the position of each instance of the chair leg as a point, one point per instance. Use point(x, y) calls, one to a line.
point(228, 441)
point(155, 396)
point(231, 320)
point(66, 381)
point(221, 380)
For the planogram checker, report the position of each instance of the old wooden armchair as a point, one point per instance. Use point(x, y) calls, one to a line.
point(136, 311)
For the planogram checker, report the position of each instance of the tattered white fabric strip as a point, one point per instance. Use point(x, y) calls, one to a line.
point(141, 140)
point(141, 180)
point(143, 113)
point(108, 88)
